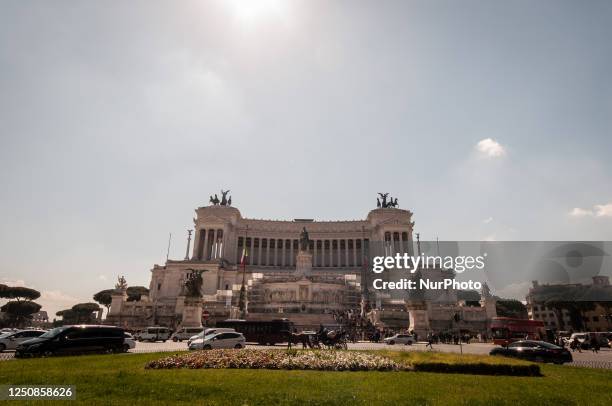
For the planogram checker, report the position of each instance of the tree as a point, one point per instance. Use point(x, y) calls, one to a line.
point(68, 317)
point(511, 308)
point(84, 312)
point(18, 293)
point(20, 306)
point(104, 298)
point(135, 292)
point(20, 311)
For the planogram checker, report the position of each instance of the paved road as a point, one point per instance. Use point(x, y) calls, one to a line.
point(585, 359)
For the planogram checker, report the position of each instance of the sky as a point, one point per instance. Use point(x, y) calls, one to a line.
point(490, 120)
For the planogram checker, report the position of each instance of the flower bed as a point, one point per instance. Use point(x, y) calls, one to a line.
point(323, 360)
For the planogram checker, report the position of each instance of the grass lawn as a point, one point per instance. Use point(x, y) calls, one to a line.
point(122, 379)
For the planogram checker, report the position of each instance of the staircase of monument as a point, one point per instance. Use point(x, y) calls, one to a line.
point(302, 321)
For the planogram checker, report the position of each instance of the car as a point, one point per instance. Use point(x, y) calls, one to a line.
point(78, 339)
point(209, 331)
point(539, 351)
point(185, 333)
point(10, 340)
point(153, 334)
point(128, 342)
point(405, 339)
point(219, 340)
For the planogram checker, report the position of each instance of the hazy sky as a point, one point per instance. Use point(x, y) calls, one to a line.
point(488, 119)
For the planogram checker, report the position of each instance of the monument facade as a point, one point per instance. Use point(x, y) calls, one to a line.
point(305, 270)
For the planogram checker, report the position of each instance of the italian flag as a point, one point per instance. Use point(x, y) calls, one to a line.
point(245, 254)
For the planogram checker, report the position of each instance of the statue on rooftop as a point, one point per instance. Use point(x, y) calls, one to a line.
point(386, 204)
point(121, 283)
point(224, 197)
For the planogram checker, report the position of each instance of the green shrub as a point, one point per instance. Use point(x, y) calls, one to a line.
point(479, 368)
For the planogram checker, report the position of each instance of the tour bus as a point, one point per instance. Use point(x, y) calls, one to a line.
point(507, 330)
point(267, 332)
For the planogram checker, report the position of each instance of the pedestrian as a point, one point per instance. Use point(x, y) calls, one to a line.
point(429, 341)
point(594, 343)
point(575, 345)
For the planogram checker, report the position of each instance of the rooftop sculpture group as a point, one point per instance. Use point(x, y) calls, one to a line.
point(386, 204)
point(225, 201)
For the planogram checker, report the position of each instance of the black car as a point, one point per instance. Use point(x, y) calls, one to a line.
point(539, 351)
point(67, 340)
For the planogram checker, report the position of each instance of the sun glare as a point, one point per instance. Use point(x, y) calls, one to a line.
point(253, 10)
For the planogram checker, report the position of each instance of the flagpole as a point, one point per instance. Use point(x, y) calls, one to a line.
point(242, 299)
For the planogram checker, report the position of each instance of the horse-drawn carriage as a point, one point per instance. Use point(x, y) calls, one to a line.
point(330, 339)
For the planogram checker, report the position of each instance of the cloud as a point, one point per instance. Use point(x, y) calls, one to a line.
point(55, 300)
point(578, 212)
point(517, 290)
point(487, 220)
point(603, 210)
point(599, 210)
point(490, 148)
point(12, 282)
point(102, 277)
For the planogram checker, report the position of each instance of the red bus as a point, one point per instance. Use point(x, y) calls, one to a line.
point(506, 330)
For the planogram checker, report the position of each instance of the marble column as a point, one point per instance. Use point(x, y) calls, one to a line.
point(275, 259)
point(259, 249)
point(213, 247)
point(322, 253)
point(202, 254)
point(346, 253)
point(284, 253)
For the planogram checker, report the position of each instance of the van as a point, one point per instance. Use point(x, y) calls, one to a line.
point(185, 333)
point(153, 334)
point(81, 339)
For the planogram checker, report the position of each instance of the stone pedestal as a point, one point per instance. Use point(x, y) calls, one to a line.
point(303, 264)
point(192, 313)
point(118, 297)
point(419, 320)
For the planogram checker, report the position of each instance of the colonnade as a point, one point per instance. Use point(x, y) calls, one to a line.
point(337, 252)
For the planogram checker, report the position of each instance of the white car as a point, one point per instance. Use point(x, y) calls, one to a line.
point(128, 342)
point(219, 340)
point(405, 339)
point(10, 341)
point(185, 333)
point(208, 331)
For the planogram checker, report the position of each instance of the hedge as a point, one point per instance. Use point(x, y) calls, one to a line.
point(479, 368)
